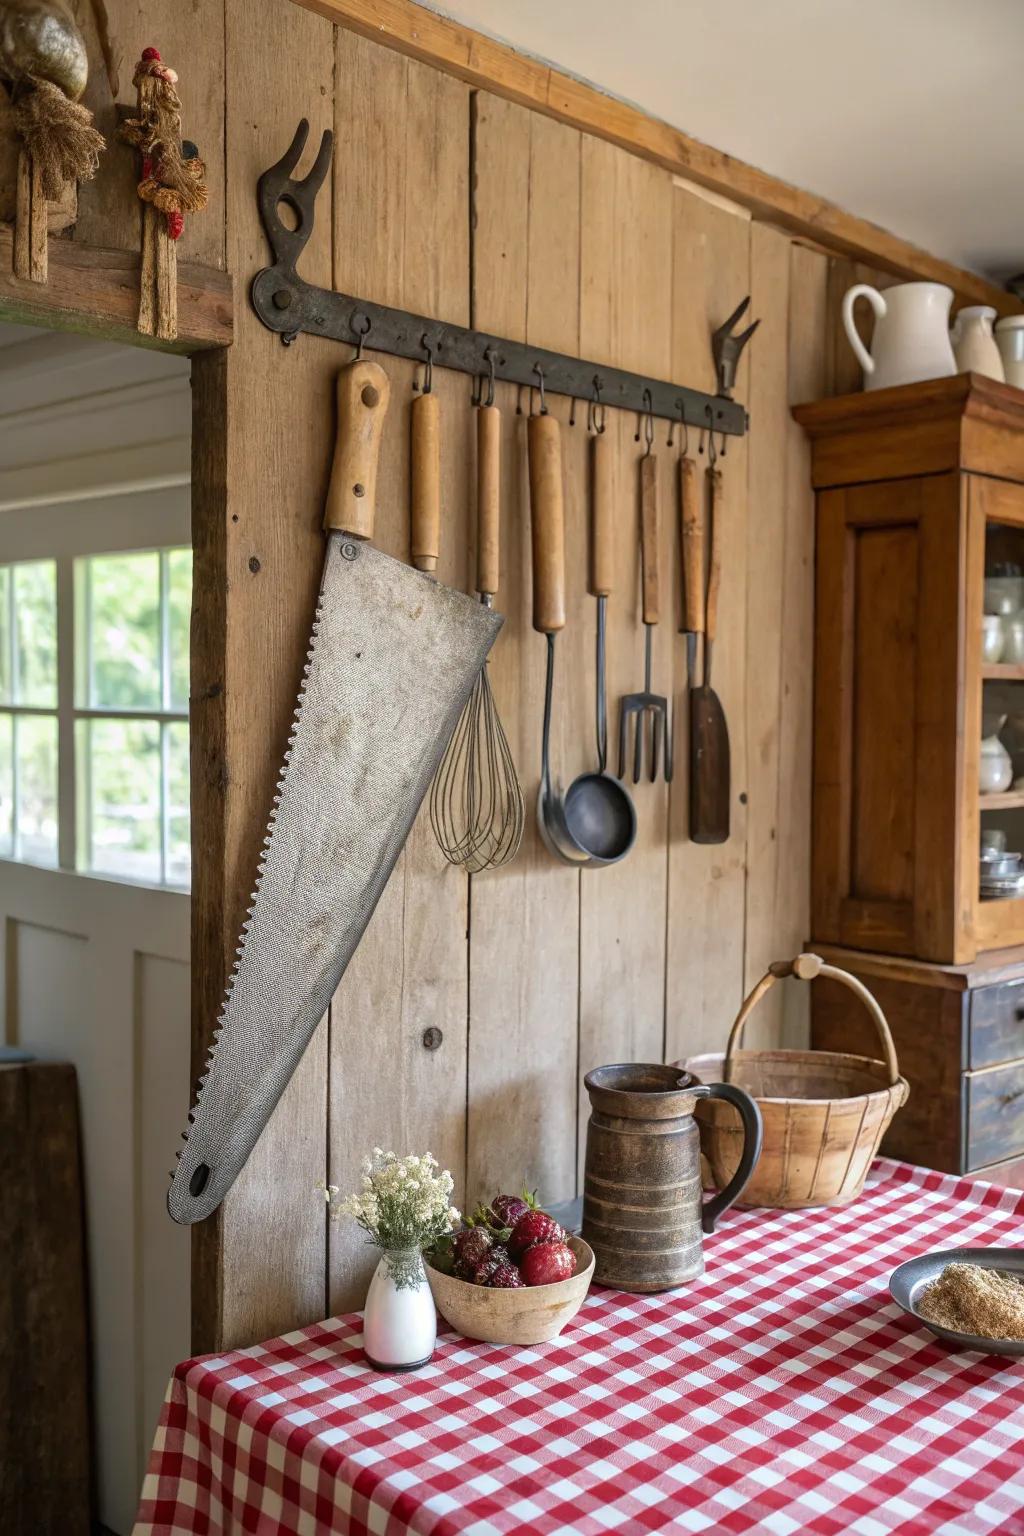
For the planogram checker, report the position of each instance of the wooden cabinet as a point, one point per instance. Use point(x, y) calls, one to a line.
point(920, 502)
point(959, 1036)
point(920, 492)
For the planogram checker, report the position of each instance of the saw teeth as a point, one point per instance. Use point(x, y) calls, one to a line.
point(254, 895)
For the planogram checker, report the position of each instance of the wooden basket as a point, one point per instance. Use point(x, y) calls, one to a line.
point(824, 1112)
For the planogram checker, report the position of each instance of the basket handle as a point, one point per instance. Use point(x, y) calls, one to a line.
point(805, 968)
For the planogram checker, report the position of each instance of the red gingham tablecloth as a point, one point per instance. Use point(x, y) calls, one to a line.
point(782, 1393)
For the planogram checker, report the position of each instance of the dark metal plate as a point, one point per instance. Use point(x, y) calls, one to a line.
point(908, 1281)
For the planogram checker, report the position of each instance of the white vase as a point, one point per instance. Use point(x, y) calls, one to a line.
point(400, 1319)
point(974, 345)
point(995, 767)
point(911, 340)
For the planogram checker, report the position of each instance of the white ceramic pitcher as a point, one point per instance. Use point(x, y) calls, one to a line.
point(911, 340)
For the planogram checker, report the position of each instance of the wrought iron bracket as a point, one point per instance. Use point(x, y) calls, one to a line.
point(289, 305)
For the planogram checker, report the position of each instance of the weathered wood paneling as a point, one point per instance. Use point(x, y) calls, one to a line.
point(466, 206)
point(410, 973)
point(707, 884)
point(524, 935)
point(269, 1252)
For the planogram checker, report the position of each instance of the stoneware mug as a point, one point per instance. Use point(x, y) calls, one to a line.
point(643, 1209)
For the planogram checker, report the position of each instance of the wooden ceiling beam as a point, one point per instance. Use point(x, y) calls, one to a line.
point(96, 291)
point(495, 67)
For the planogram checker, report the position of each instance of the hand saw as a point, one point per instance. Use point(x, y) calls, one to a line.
point(391, 661)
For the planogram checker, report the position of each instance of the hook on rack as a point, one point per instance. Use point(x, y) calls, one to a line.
point(428, 367)
point(539, 371)
point(680, 407)
point(361, 331)
point(597, 411)
point(646, 421)
point(478, 381)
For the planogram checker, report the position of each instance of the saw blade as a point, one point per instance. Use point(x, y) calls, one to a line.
point(392, 658)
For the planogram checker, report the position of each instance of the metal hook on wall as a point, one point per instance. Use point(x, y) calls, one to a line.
point(597, 411)
point(646, 421)
point(362, 332)
point(686, 431)
point(539, 371)
point(428, 370)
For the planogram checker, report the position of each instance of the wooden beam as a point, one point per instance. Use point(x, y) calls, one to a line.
point(495, 67)
point(96, 291)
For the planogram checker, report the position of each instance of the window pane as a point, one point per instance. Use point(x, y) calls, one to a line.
point(5, 636)
point(37, 788)
point(125, 631)
point(35, 620)
point(179, 827)
point(6, 787)
point(121, 760)
point(179, 604)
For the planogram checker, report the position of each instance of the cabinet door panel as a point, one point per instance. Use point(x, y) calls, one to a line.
point(887, 716)
point(885, 566)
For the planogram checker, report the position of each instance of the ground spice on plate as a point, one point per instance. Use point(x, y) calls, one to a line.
point(969, 1299)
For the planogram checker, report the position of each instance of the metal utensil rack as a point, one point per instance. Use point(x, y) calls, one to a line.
point(289, 305)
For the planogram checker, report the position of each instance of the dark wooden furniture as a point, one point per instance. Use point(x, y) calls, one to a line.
point(44, 1396)
point(918, 490)
point(959, 1036)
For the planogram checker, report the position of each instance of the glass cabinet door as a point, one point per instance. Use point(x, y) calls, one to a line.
point(996, 656)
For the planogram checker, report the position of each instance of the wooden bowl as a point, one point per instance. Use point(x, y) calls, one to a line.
point(532, 1315)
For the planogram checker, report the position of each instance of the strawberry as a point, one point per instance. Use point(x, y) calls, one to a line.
point(470, 1247)
point(506, 1278)
point(546, 1263)
point(534, 1227)
point(508, 1209)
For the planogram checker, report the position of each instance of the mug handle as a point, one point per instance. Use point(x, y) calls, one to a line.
point(878, 304)
point(753, 1133)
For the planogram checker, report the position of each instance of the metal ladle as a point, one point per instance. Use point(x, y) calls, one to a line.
point(599, 810)
point(595, 823)
point(547, 534)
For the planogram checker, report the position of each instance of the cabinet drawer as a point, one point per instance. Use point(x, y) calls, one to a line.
point(996, 1024)
point(994, 1103)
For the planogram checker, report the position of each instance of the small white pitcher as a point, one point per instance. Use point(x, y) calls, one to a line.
point(911, 340)
point(974, 345)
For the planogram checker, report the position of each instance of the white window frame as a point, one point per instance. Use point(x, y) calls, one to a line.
point(135, 521)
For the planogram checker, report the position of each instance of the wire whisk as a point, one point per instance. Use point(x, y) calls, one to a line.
point(476, 803)
point(476, 800)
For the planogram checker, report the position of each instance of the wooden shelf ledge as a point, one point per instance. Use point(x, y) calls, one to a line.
point(1003, 672)
point(1009, 800)
point(95, 290)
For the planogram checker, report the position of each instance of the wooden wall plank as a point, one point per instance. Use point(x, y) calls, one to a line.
point(410, 150)
point(626, 305)
point(789, 290)
point(704, 967)
point(808, 327)
point(268, 1248)
point(766, 615)
point(524, 961)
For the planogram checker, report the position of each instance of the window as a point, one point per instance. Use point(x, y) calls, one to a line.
point(94, 747)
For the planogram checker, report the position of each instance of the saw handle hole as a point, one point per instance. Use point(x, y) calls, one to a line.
point(199, 1180)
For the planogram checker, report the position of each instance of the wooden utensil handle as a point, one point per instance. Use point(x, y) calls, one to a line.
point(547, 523)
point(601, 537)
point(693, 547)
point(488, 498)
point(715, 509)
point(649, 536)
point(363, 391)
point(425, 488)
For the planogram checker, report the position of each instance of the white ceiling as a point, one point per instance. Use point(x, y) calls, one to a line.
point(907, 112)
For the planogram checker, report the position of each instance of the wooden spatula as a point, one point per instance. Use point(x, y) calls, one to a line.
point(710, 791)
